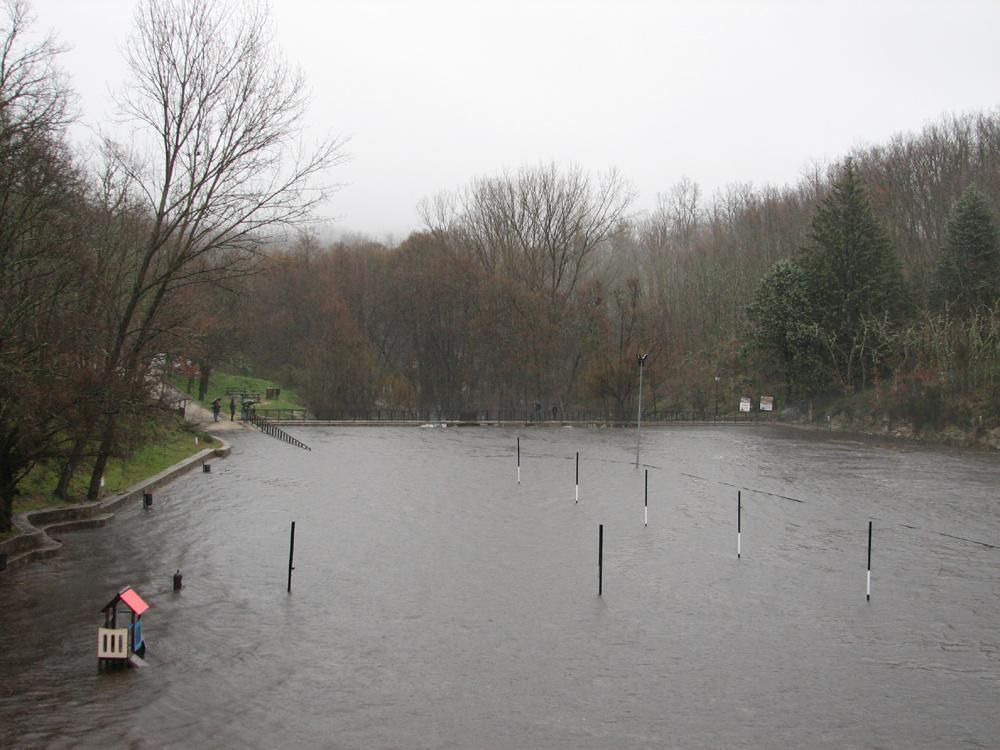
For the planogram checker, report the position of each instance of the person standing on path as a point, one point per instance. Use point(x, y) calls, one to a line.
point(232, 409)
point(216, 408)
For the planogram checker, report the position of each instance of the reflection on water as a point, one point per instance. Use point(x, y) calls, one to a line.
point(436, 603)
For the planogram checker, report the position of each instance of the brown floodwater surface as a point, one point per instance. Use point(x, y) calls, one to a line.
point(436, 603)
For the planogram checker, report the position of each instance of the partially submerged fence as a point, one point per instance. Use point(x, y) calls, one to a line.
point(269, 428)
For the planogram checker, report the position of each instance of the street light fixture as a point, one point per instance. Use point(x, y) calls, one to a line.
point(638, 428)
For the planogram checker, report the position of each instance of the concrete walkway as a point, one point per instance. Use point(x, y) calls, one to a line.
point(203, 418)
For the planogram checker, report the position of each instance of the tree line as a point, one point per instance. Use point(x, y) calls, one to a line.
point(538, 289)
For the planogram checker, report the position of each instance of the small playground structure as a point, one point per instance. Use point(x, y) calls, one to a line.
point(122, 645)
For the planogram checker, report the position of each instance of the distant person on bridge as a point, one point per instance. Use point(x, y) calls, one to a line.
point(216, 408)
point(232, 409)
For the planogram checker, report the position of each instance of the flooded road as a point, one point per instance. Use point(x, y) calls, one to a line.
point(436, 603)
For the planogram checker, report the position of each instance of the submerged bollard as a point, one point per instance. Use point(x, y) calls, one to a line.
point(206, 468)
point(518, 460)
point(147, 499)
point(177, 580)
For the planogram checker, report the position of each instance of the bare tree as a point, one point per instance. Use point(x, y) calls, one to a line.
point(679, 210)
point(539, 226)
point(39, 192)
point(217, 161)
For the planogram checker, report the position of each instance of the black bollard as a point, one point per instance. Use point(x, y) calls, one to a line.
point(739, 519)
point(177, 580)
point(206, 468)
point(147, 499)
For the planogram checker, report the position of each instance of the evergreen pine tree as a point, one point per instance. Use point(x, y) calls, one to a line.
point(853, 275)
point(968, 271)
point(782, 330)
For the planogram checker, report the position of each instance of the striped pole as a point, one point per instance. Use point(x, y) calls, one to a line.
point(600, 559)
point(645, 502)
point(868, 586)
point(578, 476)
point(519, 460)
point(291, 556)
point(739, 520)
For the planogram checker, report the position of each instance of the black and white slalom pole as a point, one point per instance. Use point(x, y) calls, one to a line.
point(868, 585)
point(578, 476)
point(518, 460)
point(291, 556)
point(645, 502)
point(739, 521)
point(600, 559)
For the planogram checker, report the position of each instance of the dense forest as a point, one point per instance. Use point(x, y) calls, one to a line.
point(877, 275)
point(875, 278)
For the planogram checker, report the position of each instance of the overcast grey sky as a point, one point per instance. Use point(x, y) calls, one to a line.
point(434, 93)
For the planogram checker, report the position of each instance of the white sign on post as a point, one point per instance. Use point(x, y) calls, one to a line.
point(744, 404)
point(767, 403)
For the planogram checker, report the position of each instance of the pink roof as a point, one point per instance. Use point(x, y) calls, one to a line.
point(133, 601)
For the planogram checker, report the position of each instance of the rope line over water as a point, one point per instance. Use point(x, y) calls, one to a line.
point(748, 489)
point(988, 545)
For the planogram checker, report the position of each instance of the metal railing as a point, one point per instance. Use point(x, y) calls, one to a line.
point(284, 414)
point(269, 428)
point(527, 416)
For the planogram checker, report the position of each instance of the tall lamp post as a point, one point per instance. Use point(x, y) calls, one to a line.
point(638, 427)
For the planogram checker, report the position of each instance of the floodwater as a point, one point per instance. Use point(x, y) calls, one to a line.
point(436, 603)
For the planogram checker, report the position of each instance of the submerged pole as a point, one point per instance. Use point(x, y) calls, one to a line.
point(519, 459)
point(739, 520)
point(868, 585)
point(600, 559)
point(577, 476)
point(645, 502)
point(291, 556)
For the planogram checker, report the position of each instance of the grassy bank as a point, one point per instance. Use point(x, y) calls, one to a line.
point(162, 445)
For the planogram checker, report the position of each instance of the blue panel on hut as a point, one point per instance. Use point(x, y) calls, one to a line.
point(137, 636)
